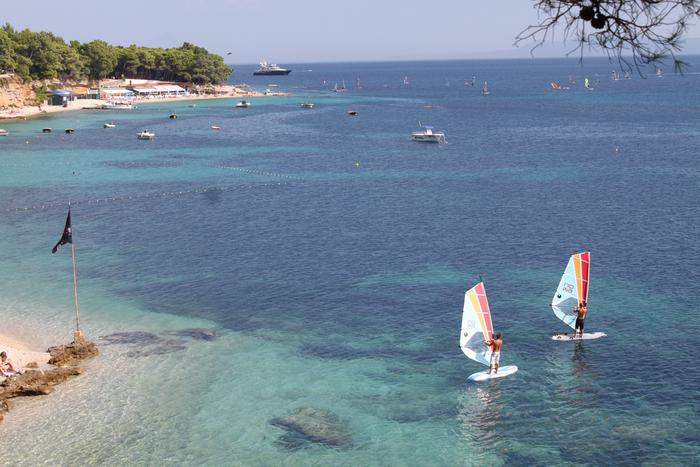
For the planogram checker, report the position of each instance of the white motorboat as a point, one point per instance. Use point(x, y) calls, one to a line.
point(243, 104)
point(117, 105)
point(4, 132)
point(215, 127)
point(427, 135)
point(308, 105)
point(109, 125)
point(145, 134)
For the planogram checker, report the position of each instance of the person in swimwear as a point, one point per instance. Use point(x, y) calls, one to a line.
point(6, 367)
point(580, 316)
point(495, 346)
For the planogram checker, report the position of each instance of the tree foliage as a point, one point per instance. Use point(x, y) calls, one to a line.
point(636, 32)
point(42, 55)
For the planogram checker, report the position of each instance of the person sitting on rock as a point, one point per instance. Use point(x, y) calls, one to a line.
point(6, 366)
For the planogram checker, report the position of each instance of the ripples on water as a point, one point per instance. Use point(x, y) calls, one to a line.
point(331, 255)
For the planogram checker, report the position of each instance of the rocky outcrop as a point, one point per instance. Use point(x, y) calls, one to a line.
point(15, 93)
point(73, 353)
point(313, 425)
point(37, 382)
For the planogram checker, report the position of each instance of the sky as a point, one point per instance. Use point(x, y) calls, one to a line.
point(302, 31)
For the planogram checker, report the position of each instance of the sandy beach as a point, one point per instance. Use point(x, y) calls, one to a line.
point(227, 92)
point(21, 353)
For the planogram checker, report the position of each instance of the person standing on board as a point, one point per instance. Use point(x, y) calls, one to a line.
point(581, 315)
point(495, 346)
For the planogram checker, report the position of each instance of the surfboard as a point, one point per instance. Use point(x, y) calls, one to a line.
point(586, 336)
point(484, 375)
point(477, 327)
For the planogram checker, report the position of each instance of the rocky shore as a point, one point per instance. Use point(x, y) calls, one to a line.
point(35, 381)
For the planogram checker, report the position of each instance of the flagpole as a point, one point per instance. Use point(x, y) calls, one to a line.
point(77, 334)
point(75, 293)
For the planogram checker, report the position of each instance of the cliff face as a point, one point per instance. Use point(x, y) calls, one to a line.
point(14, 93)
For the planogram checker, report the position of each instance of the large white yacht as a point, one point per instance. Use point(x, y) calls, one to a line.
point(266, 68)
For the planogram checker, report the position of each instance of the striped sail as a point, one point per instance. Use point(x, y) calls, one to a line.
point(573, 288)
point(476, 325)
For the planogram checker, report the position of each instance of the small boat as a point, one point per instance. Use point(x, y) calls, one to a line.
point(243, 104)
point(485, 91)
point(70, 131)
point(4, 132)
point(109, 125)
point(572, 291)
point(273, 85)
point(477, 327)
point(659, 73)
point(192, 106)
point(554, 85)
point(587, 84)
point(172, 116)
point(46, 130)
point(119, 105)
point(426, 135)
point(145, 134)
point(307, 105)
point(405, 80)
point(352, 112)
point(215, 127)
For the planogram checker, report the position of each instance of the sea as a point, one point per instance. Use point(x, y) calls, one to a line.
point(308, 258)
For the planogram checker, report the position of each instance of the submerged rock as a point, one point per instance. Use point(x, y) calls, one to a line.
point(131, 337)
point(311, 424)
point(194, 333)
point(70, 354)
point(166, 347)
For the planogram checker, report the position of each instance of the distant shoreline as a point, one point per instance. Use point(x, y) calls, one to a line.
point(35, 111)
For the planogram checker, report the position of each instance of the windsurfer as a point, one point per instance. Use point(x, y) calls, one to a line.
point(581, 316)
point(495, 346)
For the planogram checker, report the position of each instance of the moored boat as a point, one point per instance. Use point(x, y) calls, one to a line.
point(145, 134)
point(266, 68)
point(427, 135)
point(243, 104)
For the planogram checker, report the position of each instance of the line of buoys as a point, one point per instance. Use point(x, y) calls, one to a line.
point(144, 196)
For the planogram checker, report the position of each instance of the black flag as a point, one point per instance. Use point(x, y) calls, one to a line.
point(67, 236)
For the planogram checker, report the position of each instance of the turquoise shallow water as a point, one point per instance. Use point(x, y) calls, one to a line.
point(341, 287)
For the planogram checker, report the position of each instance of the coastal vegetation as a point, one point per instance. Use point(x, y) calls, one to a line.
point(43, 56)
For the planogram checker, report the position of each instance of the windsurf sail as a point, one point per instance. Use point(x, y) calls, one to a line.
point(573, 288)
point(476, 325)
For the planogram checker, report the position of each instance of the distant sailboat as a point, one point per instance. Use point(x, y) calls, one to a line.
point(405, 80)
point(573, 290)
point(341, 88)
point(659, 72)
point(485, 91)
point(587, 84)
point(358, 84)
point(477, 327)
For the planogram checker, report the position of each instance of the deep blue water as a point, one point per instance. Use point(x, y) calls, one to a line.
point(349, 246)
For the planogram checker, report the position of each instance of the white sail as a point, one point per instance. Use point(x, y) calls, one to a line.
point(572, 289)
point(476, 325)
